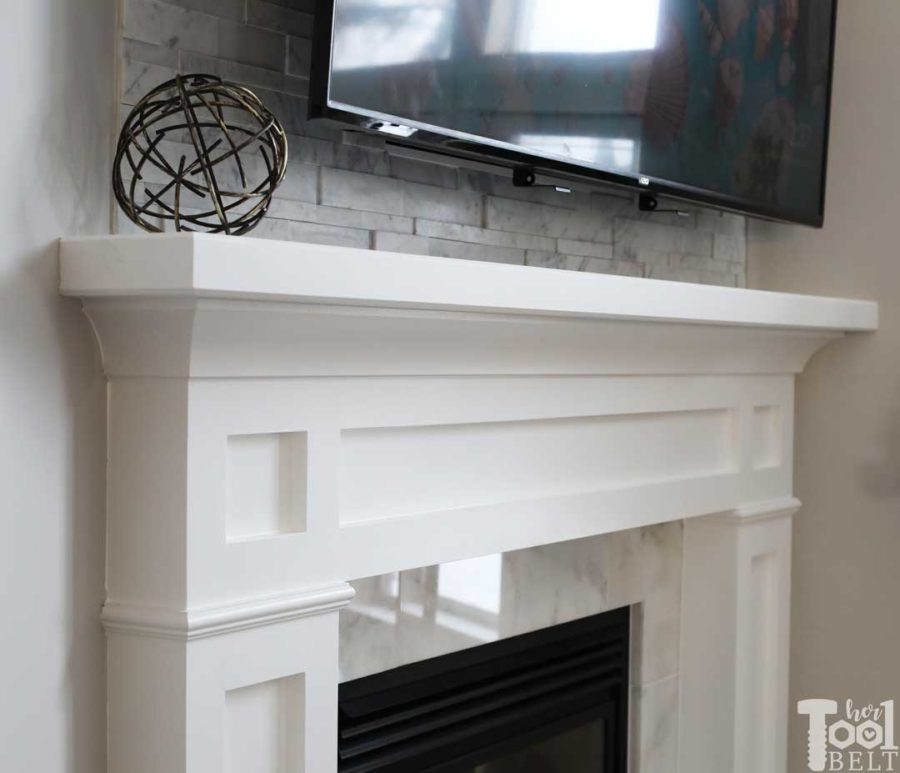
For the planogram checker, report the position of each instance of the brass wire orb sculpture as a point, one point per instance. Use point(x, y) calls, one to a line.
point(200, 154)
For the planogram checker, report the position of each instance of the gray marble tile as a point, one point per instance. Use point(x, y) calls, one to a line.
point(541, 259)
point(310, 150)
point(721, 222)
point(429, 202)
point(245, 74)
point(224, 9)
point(355, 158)
point(613, 204)
point(639, 240)
point(313, 233)
point(353, 190)
point(554, 584)
point(654, 737)
point(617, 267)
point(139, 78)
point(299, 55)
point(308, 6)
point(135, 51)
point(150, 21)
point(665, 272)
point(588, 249)
point(694, 262)
point(252, 45)
point(443, 248)
point(475, 235)
point(348, 218)
point(523, 217)
point(394, 242)
point(582, 263)
point(644, 567)
point(300, 183)
point(417, 171)
point(279, 17)
point(730, 247)
point(296, 85)
point(288, 108)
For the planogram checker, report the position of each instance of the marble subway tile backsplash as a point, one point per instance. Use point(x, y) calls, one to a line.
point(363, 197)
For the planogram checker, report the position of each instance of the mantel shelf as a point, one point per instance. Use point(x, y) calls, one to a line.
point(207, 266)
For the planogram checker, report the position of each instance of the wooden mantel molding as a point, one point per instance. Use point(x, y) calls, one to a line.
point(285, 418)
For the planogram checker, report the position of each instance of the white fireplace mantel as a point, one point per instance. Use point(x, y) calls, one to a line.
point(285, 418)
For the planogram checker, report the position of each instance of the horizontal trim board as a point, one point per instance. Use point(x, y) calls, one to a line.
point(439, 537)
point(395, 472)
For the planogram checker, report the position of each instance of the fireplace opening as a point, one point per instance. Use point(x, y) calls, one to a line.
point(552, 700)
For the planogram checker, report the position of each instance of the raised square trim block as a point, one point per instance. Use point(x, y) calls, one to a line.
point(266, 485)
point(768, 428)
point(285, 418)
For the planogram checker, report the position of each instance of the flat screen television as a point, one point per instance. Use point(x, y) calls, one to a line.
point(721, 102)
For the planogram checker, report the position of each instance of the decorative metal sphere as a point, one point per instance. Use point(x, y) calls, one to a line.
point(200, 154)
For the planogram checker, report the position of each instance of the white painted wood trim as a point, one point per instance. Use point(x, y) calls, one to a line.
point(735, 642)
point(761, 511)
point(202, 622)
point(209, 266)
point(286, 418)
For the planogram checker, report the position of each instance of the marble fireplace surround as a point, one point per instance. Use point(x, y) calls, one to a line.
point(418, 614)
point(286, 418)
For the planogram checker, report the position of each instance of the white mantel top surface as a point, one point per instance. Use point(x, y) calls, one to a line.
point(210, 266)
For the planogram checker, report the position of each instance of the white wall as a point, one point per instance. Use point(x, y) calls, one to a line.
point(846, 629)
point(56, 60)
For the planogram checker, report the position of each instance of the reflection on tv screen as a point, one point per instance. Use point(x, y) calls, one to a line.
point(725, 96)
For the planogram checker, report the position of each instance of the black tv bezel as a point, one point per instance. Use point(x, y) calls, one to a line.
point(442, 142)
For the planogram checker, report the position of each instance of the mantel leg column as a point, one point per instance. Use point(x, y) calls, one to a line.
point(735, 641)
point(262, 699)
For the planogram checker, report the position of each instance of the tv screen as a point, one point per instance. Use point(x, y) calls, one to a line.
point(724, 102)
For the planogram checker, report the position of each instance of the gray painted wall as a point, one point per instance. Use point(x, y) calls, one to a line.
point(362, 197)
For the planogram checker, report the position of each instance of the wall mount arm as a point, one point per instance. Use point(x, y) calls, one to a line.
point(647, 202)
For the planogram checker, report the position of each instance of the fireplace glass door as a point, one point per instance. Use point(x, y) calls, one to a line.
point(577, 751)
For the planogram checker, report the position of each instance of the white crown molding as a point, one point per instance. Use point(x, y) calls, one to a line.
point(204, 622)
point(200, 306)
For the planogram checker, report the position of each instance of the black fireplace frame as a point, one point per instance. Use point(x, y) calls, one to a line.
point(456, 711)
